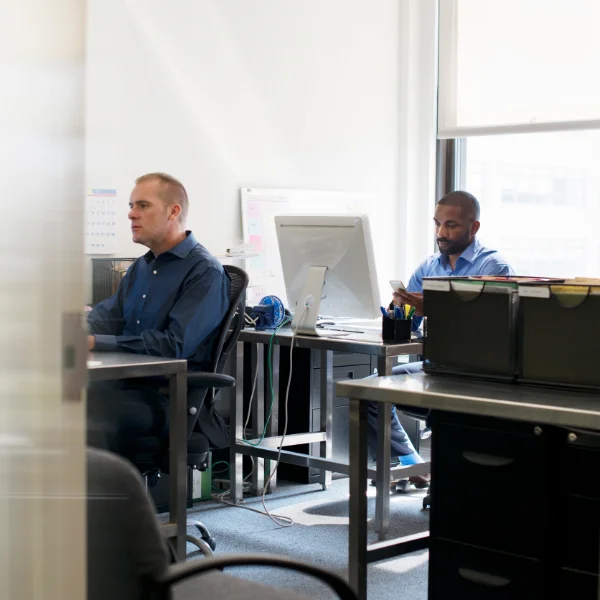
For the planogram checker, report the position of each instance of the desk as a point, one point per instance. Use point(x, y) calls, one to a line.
point(106, 366)
point(504, 401)
point(365, 343)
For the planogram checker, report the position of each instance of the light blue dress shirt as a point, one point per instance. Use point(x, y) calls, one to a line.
point(475, 260)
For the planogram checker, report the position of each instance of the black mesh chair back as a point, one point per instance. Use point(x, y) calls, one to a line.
point(230, 329)
point(234, 320)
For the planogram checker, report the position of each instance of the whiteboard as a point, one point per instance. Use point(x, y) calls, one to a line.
point(259, 209)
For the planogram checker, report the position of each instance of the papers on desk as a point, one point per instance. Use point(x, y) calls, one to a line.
point(94, 363)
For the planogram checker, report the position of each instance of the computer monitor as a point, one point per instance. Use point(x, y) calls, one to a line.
point(328, 267)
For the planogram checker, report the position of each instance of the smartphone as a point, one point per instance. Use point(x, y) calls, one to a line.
point(397, 285)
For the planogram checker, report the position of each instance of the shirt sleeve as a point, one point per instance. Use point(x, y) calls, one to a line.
point(497, 267)
point(415, 284)
point(106, 318)
point(196, 314)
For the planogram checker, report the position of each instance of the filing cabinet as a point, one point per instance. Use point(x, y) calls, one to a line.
point(472, 573)
point(515, 510)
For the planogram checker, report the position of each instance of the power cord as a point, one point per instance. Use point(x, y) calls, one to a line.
point(277, 519)
point(270, 364)
point(280, 520)
point(249, 320)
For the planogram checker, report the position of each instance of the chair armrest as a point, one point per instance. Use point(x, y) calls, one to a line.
point(209, 380)
point(182, 571)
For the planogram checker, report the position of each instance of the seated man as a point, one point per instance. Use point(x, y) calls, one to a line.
point(170, 303)
point(456, 225)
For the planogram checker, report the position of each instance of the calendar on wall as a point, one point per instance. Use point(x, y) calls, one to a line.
point(101, 221)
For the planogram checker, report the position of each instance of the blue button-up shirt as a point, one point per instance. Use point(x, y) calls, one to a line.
point(475, 260)
point(171, 305)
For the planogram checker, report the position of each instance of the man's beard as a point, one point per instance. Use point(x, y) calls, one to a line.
point(454, 247)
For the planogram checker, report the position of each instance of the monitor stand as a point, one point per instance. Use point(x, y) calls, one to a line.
point(309, 303)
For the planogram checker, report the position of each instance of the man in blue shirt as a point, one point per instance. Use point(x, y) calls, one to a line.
point(170, 303)
point(456, 225)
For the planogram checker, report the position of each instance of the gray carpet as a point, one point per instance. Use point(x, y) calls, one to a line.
point(320, 536)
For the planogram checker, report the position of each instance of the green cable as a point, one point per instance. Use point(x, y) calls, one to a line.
point(220, 462)
point(269, 361)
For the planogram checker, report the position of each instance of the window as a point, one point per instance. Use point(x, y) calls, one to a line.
point(540, 199)
point(511, 66)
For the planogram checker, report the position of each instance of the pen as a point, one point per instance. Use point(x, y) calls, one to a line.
point(412, 312)
point(383, 311)
point(406, 310)
point(398, 313)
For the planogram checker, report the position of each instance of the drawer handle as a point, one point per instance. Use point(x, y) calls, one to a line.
point(486, 579)
point(348, 375)
point(487, 460)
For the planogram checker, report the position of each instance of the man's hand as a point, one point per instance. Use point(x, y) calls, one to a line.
point(415, 300)
point(91, 342)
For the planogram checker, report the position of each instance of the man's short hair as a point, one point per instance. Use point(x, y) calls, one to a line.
point(467, 202)
point(171, 190)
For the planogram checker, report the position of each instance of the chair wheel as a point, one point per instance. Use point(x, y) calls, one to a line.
point(426, 502)
point(201, 544)
point(403, 486)
point(205, 535)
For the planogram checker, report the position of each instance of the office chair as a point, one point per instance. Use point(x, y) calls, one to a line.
point(151, 454)
point(127, 555)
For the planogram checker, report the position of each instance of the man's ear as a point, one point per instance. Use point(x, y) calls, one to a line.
point(475, 227)
point(174, 212)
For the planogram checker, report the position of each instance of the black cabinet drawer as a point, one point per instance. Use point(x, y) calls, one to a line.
point(580, 586)
point(469, 573)
point(579, 525)
point(580, 459)
point(339, 374)
point(490, 488)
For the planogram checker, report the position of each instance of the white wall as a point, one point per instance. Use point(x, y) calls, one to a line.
point(264, 93)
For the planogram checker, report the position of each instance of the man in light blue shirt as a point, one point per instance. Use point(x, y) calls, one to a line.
point(456, 226)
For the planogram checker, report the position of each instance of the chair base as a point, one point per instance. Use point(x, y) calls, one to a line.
point(201, 544)
point(205, 534)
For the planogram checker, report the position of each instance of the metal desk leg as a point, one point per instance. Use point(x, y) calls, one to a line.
point(326, 397)
point(177, 458)
point(273, 426)
point(236, 412)
point(357, 535)
point(382, 480)
point(258, 414)
point(385, 365)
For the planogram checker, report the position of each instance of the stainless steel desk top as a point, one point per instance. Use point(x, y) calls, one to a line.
point(121, 365)
point(361, 343)
point(503, 400)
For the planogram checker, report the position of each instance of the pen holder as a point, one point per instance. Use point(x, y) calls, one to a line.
point(396, 330)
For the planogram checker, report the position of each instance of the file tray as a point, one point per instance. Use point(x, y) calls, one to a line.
point(471, 326)
point(560, 334)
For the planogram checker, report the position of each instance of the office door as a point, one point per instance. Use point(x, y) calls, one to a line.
point(42, 466)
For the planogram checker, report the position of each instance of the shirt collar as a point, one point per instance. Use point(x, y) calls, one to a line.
point(181, 250)
point(470, 253)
